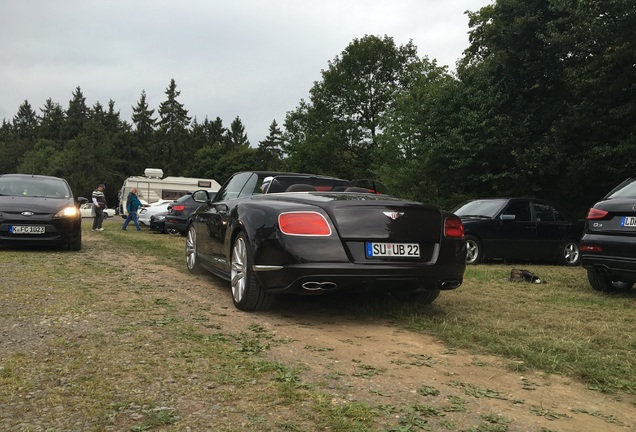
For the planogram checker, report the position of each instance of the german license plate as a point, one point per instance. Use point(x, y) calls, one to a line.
point(628, 221)
point(26, 229)
point(391, 250)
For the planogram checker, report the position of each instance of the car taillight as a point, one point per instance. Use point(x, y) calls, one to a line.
point(304, 223)
point(590, 248)
point(453, 228)
point(178, 208)
point(595, 213)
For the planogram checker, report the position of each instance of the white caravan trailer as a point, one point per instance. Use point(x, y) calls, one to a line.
point(151, 187)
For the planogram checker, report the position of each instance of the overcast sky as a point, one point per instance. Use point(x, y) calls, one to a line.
point(255, 59)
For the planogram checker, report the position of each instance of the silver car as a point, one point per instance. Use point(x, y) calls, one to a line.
point(145, 213)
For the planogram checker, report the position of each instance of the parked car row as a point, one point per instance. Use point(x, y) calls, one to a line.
point(171, 217)
point(275, 233)
point(530, 229)
point(514, 228)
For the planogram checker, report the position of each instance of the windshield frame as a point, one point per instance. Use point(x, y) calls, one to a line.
point(481, 207)
point(34, 187)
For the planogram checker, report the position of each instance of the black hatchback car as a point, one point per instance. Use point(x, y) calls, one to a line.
point(520, 229)
point(608, 247)
point(38, 210)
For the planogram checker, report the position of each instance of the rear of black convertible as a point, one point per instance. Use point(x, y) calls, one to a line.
point(324, 242)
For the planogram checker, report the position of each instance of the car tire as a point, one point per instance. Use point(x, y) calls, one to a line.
point(192, 257)
point(421, 297)
point(474, 250)
point(604, 283)
point(76, 244)
point(570, 254)
point(247, 292)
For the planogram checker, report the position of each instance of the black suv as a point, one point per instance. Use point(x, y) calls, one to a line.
point(608, 246)
point(179, 211)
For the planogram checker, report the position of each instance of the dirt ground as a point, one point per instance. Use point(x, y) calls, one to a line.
point(326, 344)
point(373, 361)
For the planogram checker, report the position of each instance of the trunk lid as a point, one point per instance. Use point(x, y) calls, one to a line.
point(376, 222)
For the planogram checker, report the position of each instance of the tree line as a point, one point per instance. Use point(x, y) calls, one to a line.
point(542, 103)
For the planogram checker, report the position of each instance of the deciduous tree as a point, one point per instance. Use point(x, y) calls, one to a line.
point(348, 109)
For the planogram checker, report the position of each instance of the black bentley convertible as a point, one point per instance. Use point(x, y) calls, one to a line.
point(278, 233)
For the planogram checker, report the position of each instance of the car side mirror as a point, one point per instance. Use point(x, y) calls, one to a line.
point(221, 208)
point(202, 196)
point(82, 200)
point(507, 217)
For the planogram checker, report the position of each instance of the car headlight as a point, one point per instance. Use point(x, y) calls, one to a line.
point(68, 212)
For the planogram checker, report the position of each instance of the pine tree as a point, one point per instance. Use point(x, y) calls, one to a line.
point(214, 131)
point(51, 122)
point(143, 137)
point(25, 122)
point(269, 150)
point(76, 115)
point(173, 132)
point(143, 120)
point(236, 135)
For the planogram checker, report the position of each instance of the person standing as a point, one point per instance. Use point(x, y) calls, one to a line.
point(132, 205)
point(99, 205)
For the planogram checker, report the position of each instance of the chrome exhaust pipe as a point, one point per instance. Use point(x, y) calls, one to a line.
point(319, 286)
point(451, 284)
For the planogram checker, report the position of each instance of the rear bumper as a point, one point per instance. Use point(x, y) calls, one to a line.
point(179, 225)
point(619, 268)
point(317, 279)
point(616, 255)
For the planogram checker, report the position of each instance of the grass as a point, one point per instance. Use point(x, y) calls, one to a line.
point(560, 326)
point(146, 356)
point(154, 349)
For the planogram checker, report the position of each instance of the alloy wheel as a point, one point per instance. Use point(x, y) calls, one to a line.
point(191, 248)
point(238, 276)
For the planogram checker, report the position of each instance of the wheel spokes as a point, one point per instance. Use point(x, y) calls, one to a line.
point(191, 248)
point(238, 270)
point(471, 252)
point(571, 253)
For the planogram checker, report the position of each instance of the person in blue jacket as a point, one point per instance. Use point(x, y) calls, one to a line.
point(132, 205)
